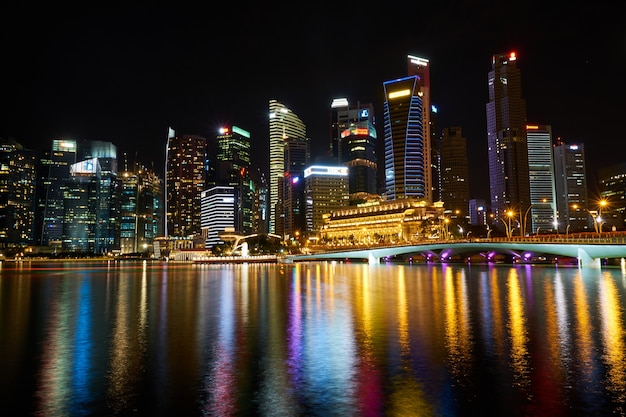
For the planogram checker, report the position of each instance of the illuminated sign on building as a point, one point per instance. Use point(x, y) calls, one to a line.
point(339, 102)
point(242, 132)
point(418, 61)
point(325, 170)
point(400, 93)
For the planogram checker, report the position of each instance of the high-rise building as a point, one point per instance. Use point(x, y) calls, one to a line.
point(612, 181)
point(420, 68)
point(291, 186)
point(454, 172)
point(17, 194)
point(141, 210)
point(107, 229)
point(54, 174)
point(570, 175)
point(185, 177)
point(326, 190)
point(353, 144)
point(232, 168)
point(283, 124)
point(406, 162)
point(217, 213)
point(506, 138)
point(543, 213)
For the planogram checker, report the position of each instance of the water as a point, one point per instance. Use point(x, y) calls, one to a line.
point(319, 339)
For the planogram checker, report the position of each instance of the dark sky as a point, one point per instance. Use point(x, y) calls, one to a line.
point(124, 74)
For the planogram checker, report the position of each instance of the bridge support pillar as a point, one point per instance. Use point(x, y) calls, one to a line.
point(372, 259)
point(586, 261)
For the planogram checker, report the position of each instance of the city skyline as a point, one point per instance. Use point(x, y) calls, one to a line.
point(128, 78)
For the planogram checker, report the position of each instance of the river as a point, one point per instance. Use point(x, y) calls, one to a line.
point(311, 339)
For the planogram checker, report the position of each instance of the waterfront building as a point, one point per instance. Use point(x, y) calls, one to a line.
point(506, 138)
point(283, 124)
point(185, 176)
point(420, 68)
point(543, 211)
point(454, 172)
point(570, 175)
point(326, 190)
point(54, 174)
point(232, 168)
point(384, 222)
point(292, 211)
point(218, 206)
point(17, 194)
point(612, 180)
point(107, 228)
point(353, 144)
point(406, 170)
point(141, 210)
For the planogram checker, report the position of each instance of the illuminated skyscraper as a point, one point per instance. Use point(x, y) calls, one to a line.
point(141, 210)
point(506, 137)
point(570, 175)
point(406, 167)
point(541, 179)
point(232, 168)
point(454, 172)
point(353, 144)
point(420, 67)
point(17, 194)
point(185, 180)
point(326, 189)
point(283, 125)
point(54, 176)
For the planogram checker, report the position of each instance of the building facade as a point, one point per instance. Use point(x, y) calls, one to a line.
point(454, 172)
point(217, 213)
point(406, 168)
point(283, 124)
point(18, 167)
point(185, 176)
point(326, 190)
point(543, 211)
point(570, 175)
point(353, 144)
point(506, 138)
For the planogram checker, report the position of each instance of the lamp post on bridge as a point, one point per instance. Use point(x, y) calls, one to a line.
point(595, 216)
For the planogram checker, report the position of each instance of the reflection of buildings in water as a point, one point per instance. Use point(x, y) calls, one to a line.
point(398, 221)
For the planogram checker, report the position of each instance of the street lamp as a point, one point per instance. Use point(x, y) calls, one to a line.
point(595, 216)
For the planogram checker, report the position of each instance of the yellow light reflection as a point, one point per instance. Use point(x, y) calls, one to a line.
point(517, 330)
point(613, 337)
point(584, 342)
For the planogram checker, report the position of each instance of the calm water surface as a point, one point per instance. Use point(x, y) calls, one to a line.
point(319, 339)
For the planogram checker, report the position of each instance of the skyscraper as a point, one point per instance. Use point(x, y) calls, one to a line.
point(406, 167)
point(454, 172)
point(283, 124)
point(570, 175)
point(185, 179)
point(17, 194)
point(232, 168)
point(353, 144)
point(54, 176)
point(541, 179)
point(420, 67)
point(506, 137)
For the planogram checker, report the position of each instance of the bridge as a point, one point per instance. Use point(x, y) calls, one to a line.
point(588, 251)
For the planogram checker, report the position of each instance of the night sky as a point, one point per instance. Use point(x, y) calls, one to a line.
point(125, 75)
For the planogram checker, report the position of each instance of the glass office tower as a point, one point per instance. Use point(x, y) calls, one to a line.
point(506, 138)
point(406, 165)
point(283, 124)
